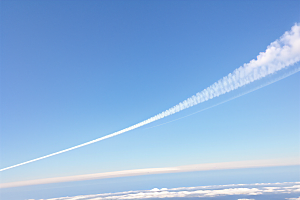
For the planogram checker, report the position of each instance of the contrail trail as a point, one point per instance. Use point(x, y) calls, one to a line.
point(297, 69)
point(280, 54)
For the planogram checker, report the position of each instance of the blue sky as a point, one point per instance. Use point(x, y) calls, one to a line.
point(75, 71)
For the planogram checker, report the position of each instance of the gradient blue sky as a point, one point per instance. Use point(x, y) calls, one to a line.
point(73, 71)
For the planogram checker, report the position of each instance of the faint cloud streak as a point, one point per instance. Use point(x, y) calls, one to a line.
point(139, 172)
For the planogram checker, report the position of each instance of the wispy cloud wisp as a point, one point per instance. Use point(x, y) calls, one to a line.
point(148, 171)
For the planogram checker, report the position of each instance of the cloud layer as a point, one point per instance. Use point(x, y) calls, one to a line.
point(280, 54)
point(247, 191)
point(178, 169)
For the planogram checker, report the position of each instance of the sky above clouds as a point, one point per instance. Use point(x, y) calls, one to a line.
point(281, 56)
point(76, 71)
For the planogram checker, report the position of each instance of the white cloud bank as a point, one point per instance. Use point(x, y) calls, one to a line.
point(291, 188)
point(297, 198)
point(280, 54)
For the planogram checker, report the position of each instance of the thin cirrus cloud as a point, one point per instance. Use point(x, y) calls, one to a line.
point(280, 54)
point(148, 171)
point(242, 191)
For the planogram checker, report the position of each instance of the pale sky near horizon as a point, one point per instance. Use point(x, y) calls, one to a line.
point(73, 71)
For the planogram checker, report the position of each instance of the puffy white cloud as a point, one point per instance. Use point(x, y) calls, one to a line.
point(200, 192)
point(246, 199)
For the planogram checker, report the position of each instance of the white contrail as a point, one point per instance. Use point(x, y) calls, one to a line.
point(285, 75)
point(280, 54)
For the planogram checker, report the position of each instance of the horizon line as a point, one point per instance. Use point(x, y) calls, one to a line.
point(163, 170)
